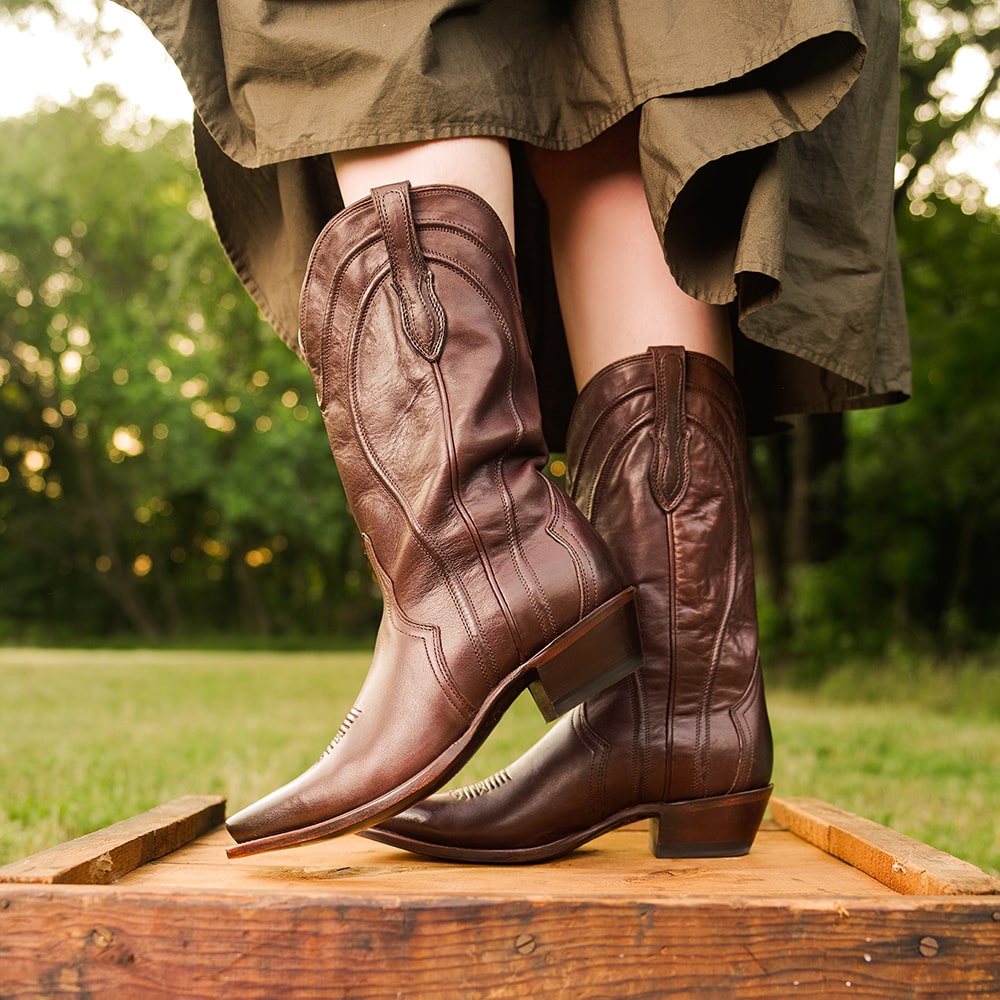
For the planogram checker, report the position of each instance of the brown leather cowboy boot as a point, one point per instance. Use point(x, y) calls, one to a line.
point(493, 580)
point(657, 461)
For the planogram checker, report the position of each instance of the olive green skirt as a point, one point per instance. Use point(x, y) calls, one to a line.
point(767, 146)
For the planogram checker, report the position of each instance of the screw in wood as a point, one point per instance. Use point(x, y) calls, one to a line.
point(929, 947)
point(524, 944)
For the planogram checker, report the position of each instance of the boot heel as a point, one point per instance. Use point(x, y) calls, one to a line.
point(599, 650)
point(720, 827)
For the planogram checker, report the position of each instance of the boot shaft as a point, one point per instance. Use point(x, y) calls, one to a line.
point(412, 329)
point(657, 458)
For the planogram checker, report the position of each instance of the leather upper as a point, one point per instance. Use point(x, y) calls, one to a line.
point(411, 326)
point(657, 461)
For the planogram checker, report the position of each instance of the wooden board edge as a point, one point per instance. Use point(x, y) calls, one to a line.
point(106, 942)
point(106, 855)
point(899, 862)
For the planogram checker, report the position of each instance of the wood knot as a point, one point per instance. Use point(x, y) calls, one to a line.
point(102, 937)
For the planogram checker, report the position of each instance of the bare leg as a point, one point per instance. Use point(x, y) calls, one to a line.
point(479, 163)
point(616, 293)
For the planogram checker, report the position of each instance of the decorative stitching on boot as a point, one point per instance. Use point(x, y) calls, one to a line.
point(741, 714)
point(670, 469)
point(586, 583)
point(352, 716)
point(600, 760)
point(703, 728)
point(520, 562)
point(421, 310)
point(480, 788)
point(428, 635)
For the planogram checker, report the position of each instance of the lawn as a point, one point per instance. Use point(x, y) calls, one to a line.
point(91, 737)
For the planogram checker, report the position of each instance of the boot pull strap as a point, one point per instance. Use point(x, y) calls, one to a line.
point(670, 469)
point(423, 315)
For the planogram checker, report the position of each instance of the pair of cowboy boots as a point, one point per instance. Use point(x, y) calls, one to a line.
point(494, 581)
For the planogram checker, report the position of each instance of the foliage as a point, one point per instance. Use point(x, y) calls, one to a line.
point(163, 468)
point(950, 101)
point(918, 564)
point(85, 21)
point(915, 508)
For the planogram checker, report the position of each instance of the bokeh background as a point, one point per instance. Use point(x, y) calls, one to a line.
point(164, 474)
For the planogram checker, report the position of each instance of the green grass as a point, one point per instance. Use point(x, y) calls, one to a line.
point(91, 737)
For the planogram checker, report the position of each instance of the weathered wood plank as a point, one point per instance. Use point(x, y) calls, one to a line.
point(350, 918)
point(103, 941)
point(106, 855)
point(905, 865)
point(616, 866)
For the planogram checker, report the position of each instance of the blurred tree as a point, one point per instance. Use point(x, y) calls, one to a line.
point(950, 102)
point(922, 521)
point(84, 21)
point(948, 142)
point(163, 466)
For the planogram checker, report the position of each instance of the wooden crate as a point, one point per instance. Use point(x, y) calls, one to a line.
point(827, 904)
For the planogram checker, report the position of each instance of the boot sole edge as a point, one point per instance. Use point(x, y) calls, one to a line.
point(748, 807)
